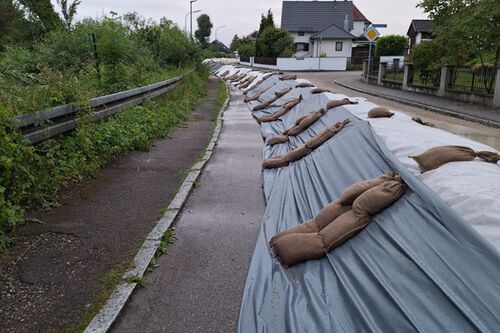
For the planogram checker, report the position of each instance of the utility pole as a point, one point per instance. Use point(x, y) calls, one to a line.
point(186, 17)
point(191, 18)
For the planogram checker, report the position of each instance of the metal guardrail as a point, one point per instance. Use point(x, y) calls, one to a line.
point(60, 119)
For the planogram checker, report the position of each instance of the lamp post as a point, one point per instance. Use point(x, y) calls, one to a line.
point(186, 17)
point(191, 19)
point(216, 29)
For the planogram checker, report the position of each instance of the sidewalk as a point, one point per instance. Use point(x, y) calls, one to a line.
point(481, 114)
point(198, 285)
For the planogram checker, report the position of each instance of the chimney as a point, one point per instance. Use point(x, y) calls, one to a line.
point(346, 23)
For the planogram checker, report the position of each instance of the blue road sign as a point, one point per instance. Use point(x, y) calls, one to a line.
point(379, 25)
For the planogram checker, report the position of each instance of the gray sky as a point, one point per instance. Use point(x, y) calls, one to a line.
point(243, 16)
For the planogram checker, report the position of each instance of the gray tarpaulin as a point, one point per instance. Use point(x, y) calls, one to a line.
point(416, 267)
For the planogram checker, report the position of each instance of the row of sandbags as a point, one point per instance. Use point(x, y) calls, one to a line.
point(415, 266)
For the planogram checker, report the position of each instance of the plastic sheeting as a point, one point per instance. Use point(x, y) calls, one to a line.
point(417, 267)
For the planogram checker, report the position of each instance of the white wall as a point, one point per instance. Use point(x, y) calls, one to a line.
point(327, 46)
point(301, 39)
point(358, 28)
point(308, 64)
point(390, 59)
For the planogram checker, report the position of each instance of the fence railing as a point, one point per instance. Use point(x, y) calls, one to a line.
point(244, 59)
point(266, 61)
point(424, 78)
point(60, 119)
point(394, 72)
point(481, 80)
point(371, 69)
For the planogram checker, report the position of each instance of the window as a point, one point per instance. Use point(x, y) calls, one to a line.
point(302, 47)
point(338, 46)
point(301, 33)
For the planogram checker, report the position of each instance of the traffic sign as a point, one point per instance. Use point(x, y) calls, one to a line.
point(379, 25)
point(371, 33)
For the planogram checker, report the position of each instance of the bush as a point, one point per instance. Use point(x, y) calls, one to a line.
point(391, 45)
point(427, 60)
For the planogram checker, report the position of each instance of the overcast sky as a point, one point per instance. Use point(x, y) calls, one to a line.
point(243, 16)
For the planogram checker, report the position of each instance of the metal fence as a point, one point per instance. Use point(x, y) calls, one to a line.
point(466, 79)
point(245, 59)
point(429, 78)
point(60, 119)
point(371, 69)
point(266, 61)
point(394, 72)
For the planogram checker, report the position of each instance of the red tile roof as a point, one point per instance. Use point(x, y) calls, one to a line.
point(357, 15)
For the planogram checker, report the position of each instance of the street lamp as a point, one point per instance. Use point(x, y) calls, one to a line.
point(221, 27)
point(186, 17)
point(191, 14)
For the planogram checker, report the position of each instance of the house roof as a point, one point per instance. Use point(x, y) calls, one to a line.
point(313, 16)
point(421, 26)
point(358, 15)
point(220, 46)
point(333, 32)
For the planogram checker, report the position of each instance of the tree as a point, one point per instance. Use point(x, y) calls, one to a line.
point(426, 58)
point(470, 28)
point(68, 11)
point(235, 43)
point(275, 42)
point(204, 29)
point(42, 12)
point(391, 45)
point(246, 49)
point(266, 21)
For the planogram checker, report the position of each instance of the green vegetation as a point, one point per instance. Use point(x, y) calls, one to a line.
point(391, 45)
point(46, 60)
point(204, 30)
point(222, 95)
point(467, 33)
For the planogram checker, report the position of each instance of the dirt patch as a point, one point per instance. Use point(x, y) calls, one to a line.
point(52, 274)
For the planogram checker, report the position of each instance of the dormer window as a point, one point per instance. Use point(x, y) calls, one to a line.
point(301, 33)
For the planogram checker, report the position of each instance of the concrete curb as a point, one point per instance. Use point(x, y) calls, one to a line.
point(103, 321)
point(423, 106)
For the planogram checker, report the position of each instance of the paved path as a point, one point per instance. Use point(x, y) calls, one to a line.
point(473, 130)
point(482, 114)
point(199, 283)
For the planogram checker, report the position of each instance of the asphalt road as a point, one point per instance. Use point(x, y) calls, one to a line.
point(198, 285)
point(468, 129)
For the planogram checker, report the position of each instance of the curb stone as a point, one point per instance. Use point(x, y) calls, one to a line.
point(105, 318)
point(482, 121)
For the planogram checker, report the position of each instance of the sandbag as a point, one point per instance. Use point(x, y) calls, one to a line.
point(329, 213)
point(304, 85)
point(421, 122)
point(292, 103)
point(437, 156)
point(256, 96)
point(295, 248)
point(265, 119)
point(288, 77)
point(378, 198)
point(304, 122)
point(326, 134)
point(320, 90)
point(275, 162)
point(277, 139)
point(224, 74)
point(297, 153)
point(336, 103)
point(283, 92)
point(380, 112)
point(355, 190)
point(304, 228)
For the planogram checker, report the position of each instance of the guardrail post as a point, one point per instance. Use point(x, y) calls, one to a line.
point(444, 81)
point(381, 72)
point(406, 76)
point(496, 96)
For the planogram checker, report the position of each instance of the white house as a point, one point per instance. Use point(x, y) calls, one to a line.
point(325, 28)
point(418, 32)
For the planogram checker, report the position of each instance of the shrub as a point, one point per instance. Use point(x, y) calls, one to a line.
point(391, 45)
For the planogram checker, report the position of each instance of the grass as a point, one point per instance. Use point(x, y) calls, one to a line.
point(222, 95)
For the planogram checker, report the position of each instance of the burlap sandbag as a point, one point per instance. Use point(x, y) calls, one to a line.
point(288, 77)
point(265, 119)
point(282, 138)
point(275, 162)
point(295, 248)
point(437, 156)
point(283, 92)
point(292, 103)
point(304, 228)
point(297, 153)
point(380, 112)
point(340, 230)
point(378, 198)
point(304, 85)
point(256, 96)
point(421, 122)
point(319, 90)
point(265, 104)
point(329, 213)
point(326, 134)
point(304, 122)
point(348, 196)
point(224, 74)
point(336, 103)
